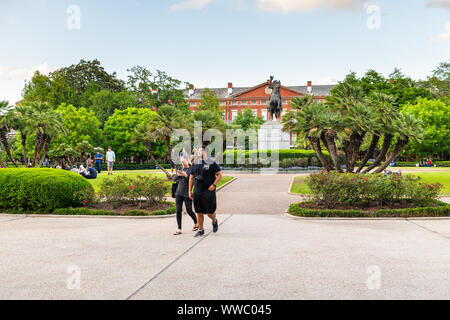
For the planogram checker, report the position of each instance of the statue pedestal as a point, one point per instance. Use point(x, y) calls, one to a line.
point(272, 137)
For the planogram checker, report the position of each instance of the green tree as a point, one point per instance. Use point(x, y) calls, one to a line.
point(105, 102)
point(408, 128)
point(166, 120)
point(306, 122)
point(435, 117)
point(81, 125)
point(154, 89)
point(120, 128)
point(73, 85)
point(439, 81)
point(210, 102)
point(23, 124)
point(6, 120)
point(246, 120)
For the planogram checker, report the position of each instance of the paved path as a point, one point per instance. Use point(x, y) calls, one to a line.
point(254, 256)
point(257, 194)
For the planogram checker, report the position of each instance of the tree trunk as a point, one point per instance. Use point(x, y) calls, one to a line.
point(369, 152)
point(4, 142)
point(384, 149)
point(38, 145)
point(393, 156)
point(316, 146)
point(330, 137)
point(23, 137)
point(47, 142)
point(150, 153)
point(352, 151)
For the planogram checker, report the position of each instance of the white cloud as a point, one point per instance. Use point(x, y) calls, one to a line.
point(287, 6)
point(445, 36)
point(439, 4)
point(22, 73)
point(190, 4)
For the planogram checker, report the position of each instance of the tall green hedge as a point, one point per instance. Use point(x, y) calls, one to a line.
point(309, 157)
point(40, 190)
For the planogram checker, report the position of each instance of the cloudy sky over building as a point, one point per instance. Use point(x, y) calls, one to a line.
point(212, 42)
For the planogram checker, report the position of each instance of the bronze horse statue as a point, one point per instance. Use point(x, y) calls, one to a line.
point(275, 102)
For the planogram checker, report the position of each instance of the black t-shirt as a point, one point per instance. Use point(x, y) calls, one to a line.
point(204, 174)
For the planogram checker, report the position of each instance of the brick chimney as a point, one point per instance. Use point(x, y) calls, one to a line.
point(230, 88)
point(309, 87)
point(191, 90)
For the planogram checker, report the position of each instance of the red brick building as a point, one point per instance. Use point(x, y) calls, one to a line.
point(235, 99)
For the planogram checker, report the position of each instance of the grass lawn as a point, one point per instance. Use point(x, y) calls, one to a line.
point(442, 176)
point(157, 173)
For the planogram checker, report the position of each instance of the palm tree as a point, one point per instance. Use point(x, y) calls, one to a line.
point(144, 135)
point(83, 148)
point(167, 119)
point(388, 117)
point(308, 122)
point(359, 120)
point(22, 121)
point(6, 119)
point(330, 125)
point(409, 128)
point(52, 127)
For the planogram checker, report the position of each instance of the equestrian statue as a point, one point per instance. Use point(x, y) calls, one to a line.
point(275, 102)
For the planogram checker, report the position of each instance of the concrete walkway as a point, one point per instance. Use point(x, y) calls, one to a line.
point(257, 194)
point(257, 254)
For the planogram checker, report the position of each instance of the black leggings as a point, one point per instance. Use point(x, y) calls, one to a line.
point(188, 203)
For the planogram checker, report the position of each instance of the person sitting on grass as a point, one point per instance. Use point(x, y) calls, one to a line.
point(74, 169)
point(90, 173)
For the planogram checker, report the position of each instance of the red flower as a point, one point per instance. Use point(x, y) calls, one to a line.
point(85, 201)
point(367, 180)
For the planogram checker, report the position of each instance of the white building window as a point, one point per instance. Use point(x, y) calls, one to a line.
point(234, 114)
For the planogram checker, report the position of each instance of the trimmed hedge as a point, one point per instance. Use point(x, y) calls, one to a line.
point(287, 158)
point(441, 210)
point(40, 190)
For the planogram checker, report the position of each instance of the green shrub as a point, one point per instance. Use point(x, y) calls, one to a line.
point(42, 190)
point(147, 189)
point(360, 189)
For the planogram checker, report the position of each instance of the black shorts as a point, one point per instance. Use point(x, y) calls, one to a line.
point(205, 202)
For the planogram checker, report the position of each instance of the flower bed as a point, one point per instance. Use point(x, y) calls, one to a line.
point(438, 209)
point(361, 190)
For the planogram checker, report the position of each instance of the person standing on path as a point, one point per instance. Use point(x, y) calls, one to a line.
point(98, 161)
point(205, 175)
point(182, 194)
point(110, 159)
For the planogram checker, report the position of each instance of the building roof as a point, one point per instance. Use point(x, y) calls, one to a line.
point(222, 93)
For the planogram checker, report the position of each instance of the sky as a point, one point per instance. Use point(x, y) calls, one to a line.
point(212, 42)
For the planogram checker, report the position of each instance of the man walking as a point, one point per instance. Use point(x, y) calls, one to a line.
point(110, 159)
point(98, 161)
point(205, 175)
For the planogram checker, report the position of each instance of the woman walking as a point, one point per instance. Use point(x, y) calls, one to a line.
point(182, 194)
